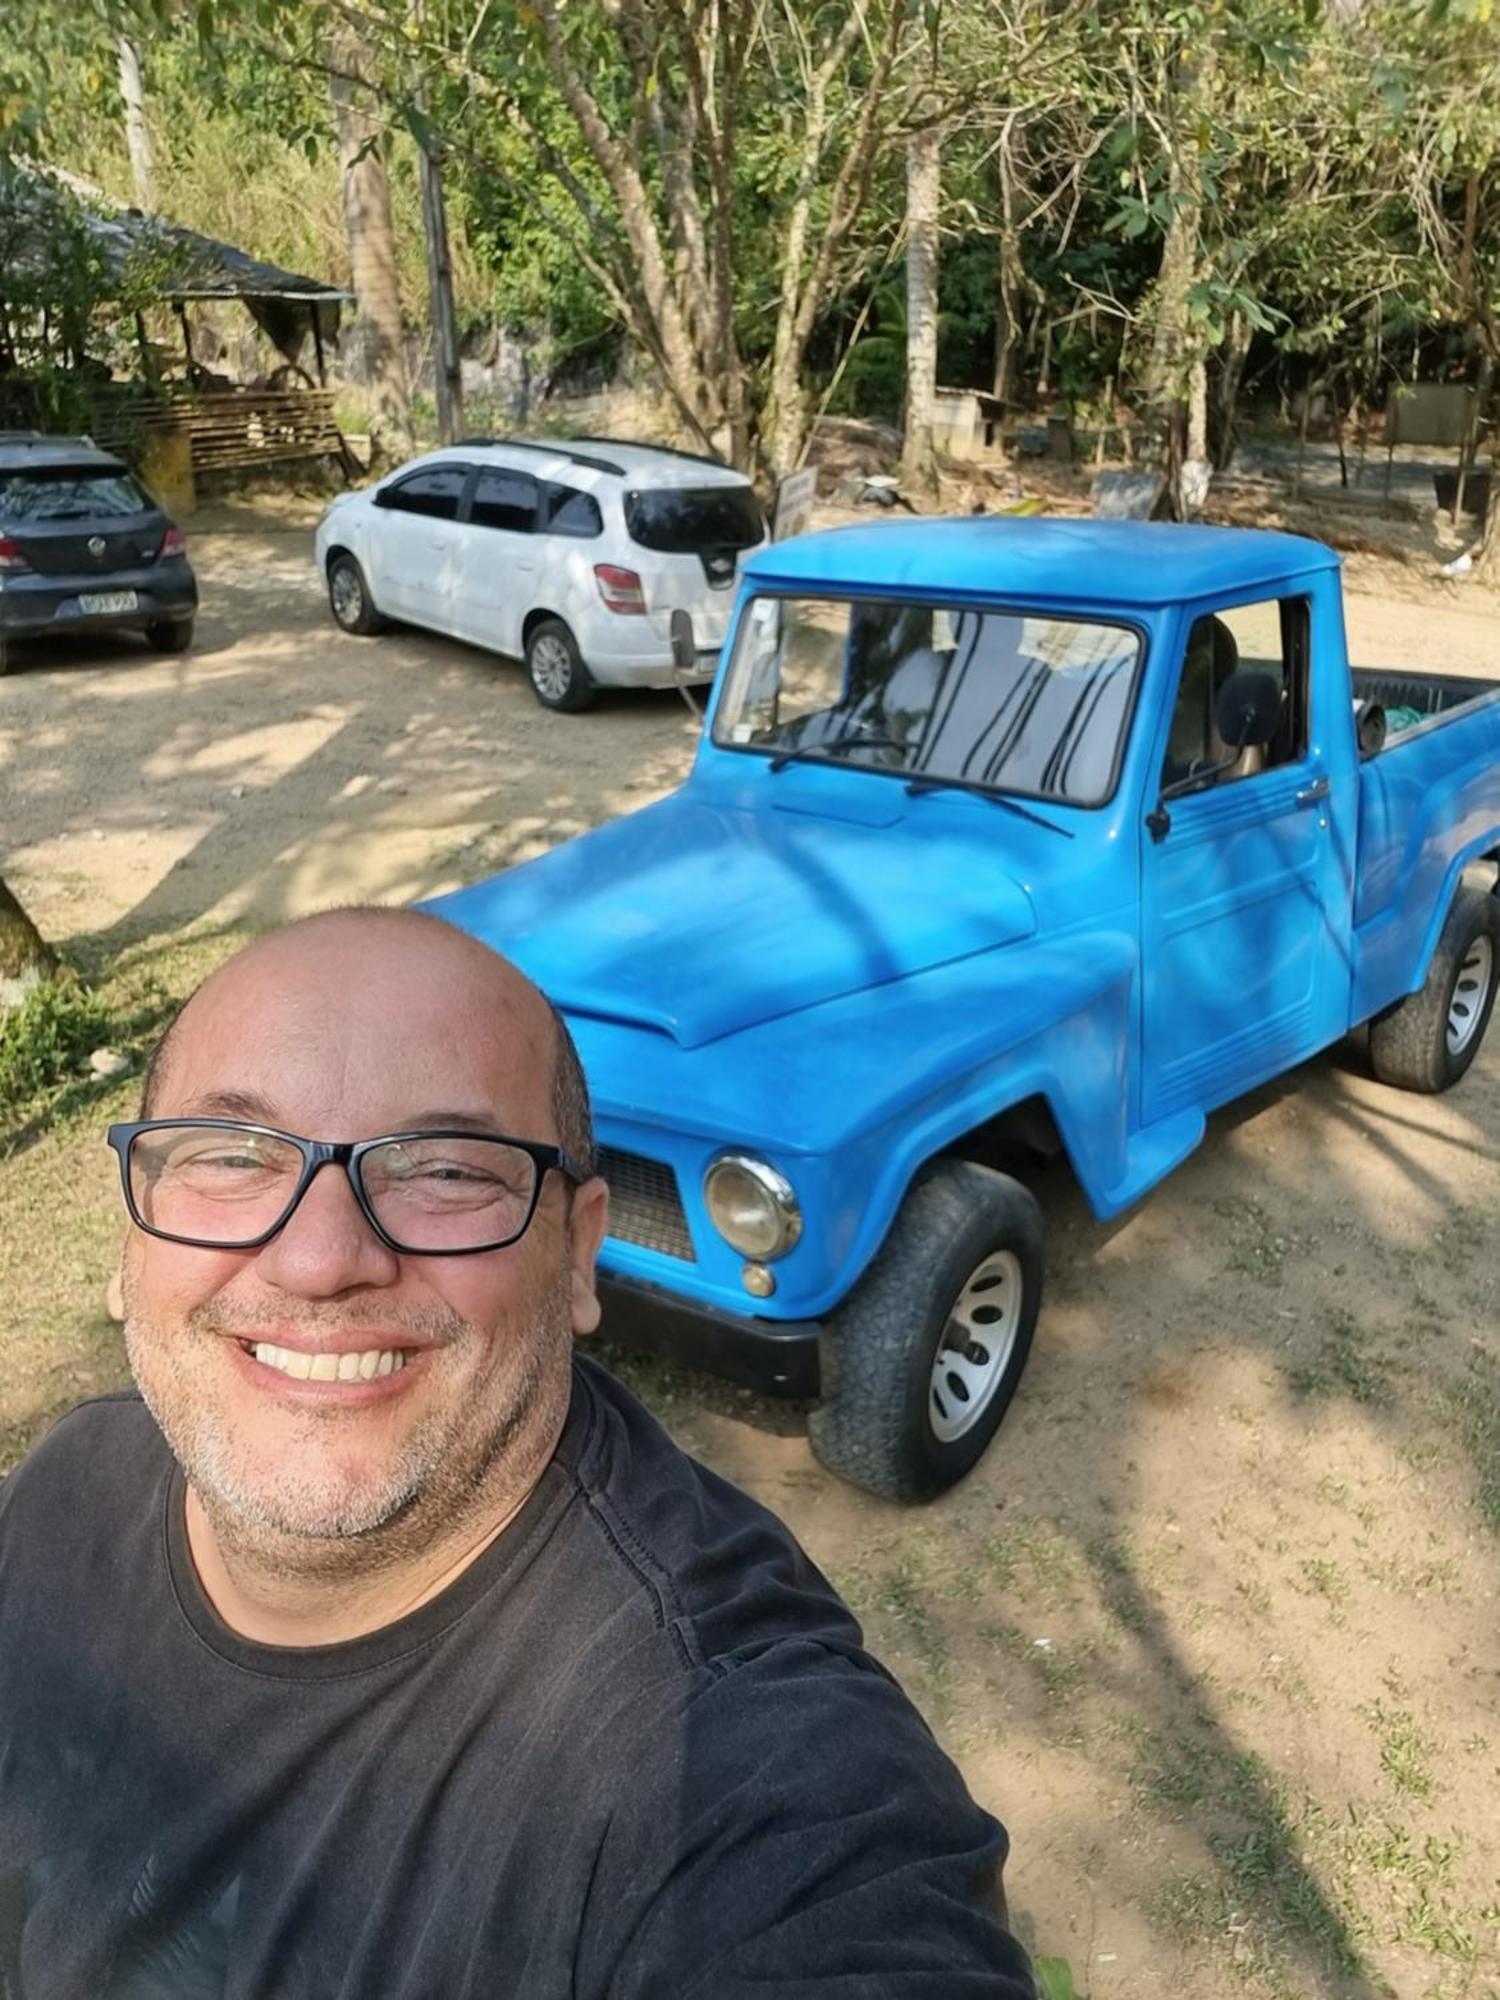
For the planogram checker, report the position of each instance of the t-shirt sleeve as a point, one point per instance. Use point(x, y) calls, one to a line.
point(799, 1833)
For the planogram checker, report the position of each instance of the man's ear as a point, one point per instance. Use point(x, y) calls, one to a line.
point(587, 1221)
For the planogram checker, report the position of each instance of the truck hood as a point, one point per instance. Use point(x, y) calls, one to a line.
point(699, 921)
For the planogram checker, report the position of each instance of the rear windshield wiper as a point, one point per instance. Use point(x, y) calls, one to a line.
point(916, 787)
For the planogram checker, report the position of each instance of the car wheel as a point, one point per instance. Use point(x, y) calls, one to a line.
point(558, 676)
point(1426, 1041)
point(349, 598)
point(921, 1361)
point(7, 658)
point(171, 635)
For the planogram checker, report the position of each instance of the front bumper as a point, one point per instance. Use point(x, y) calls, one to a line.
point(32, 605)
point(775, 1357)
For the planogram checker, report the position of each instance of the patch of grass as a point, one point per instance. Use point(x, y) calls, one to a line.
point(1264, 1895)
point(1343, 1365)
point(1260, 1248)
point(1471, 1407)
point(1114, 1570)
point(1032, 1554)
point(1325, 1579)
point(1403, 1748)
point(46, 1039)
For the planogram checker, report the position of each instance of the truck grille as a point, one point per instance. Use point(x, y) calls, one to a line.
point(644, 1205)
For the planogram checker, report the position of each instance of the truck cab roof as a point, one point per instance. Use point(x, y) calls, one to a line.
point(1113, 564)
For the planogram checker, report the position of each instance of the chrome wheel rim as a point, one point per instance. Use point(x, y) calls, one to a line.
point(347, 598)
point(551, 666)
point(976, 1347)
point(1466, 1008)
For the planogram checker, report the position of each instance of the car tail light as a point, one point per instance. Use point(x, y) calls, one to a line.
point(174, 543)
point(620, 588)
point(10, 554)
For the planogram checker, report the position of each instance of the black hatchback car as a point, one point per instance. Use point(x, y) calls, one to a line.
point(84, 548)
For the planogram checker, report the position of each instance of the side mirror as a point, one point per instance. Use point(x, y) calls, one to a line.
point(1247, 713)
point(684, 657)
point(1248, 710)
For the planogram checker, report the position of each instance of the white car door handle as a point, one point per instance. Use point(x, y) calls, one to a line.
point(525, 565)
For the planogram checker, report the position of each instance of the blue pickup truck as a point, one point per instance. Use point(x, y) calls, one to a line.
point(1001, 836)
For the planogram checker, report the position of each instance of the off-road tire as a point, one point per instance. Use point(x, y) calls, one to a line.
point(170, 635)
point(555, 668)
point(874, 1425)
point(1409, 1043)
point(347, 588)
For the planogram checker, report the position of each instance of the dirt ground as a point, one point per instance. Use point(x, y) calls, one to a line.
point(1213, 1626)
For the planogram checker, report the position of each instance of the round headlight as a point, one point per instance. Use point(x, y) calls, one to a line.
point(752, 1206)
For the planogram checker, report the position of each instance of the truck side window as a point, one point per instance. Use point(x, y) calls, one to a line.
point(1266, 638)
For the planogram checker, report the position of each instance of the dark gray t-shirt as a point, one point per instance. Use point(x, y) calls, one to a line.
point(635, 1751)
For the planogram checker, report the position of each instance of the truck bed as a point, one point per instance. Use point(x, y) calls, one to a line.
point(1431, 695)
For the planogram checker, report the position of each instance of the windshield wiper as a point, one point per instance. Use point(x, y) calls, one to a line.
point(817, 753)
point(916, 787)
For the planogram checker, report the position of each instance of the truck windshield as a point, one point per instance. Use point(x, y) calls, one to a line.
point(1001, 700)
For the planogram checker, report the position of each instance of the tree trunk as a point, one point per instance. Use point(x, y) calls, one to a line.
point(1487, 563)
point(25, 958)
point(372, 245)
point(923, 187)
point(138, 139)
point(447, 371)
point(1236, 351)
point(1176, 346)
point(1007, 272)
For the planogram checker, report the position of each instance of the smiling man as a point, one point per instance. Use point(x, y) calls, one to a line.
point(381, 1648)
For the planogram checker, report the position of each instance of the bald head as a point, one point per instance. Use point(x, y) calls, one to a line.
point(352, 984)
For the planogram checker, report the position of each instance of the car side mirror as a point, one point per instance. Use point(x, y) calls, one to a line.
point(1247, 713)
point(1248, 710)
point(684, 657)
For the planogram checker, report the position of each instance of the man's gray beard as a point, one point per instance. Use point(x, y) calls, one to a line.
point(427, 1486)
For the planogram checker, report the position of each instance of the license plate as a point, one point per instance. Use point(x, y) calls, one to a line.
point(106, 600)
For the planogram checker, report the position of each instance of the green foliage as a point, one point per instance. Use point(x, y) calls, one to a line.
point(46, 1038)
point(1054, 1979)
point(1335, 170)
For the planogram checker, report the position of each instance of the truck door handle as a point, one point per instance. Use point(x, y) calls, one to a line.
point(1315, 793)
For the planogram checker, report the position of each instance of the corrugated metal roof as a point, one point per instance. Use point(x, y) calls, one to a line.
point(197, 266)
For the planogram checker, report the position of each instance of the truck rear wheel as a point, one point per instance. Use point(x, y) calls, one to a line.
point(1426, 1041)
point(921, 1360)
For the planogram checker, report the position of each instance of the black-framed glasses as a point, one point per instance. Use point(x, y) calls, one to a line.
point(218, 1184)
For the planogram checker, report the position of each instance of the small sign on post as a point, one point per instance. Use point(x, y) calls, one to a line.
point(794, 504)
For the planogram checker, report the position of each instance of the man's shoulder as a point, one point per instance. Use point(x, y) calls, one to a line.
point(108, 1445)
point(723, 1578)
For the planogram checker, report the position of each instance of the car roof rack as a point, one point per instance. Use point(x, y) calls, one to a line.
point(556, 448)
point(667, 450)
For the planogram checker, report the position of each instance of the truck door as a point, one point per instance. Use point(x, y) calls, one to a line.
point(1244, 889)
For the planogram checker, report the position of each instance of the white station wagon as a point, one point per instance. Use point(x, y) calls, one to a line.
point(570, 554)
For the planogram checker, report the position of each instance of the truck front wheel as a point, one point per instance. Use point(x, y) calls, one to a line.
point(1426, 1041)
point(921, 1360)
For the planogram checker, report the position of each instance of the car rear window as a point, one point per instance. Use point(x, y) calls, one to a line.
point(54, 493)
point(685, 520)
